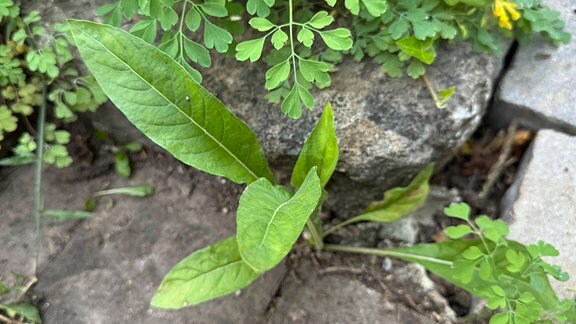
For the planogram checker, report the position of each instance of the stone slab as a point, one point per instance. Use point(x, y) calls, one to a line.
point(541, 204)
point(539, 90)
point(351, 289)
point(106, 269)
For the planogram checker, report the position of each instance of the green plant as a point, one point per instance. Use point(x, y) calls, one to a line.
point(402, 36)
point(36, 65)
point(12, 309)
point(163, 100)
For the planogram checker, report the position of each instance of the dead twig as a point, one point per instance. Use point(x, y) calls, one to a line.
point(500, 165)
point(341, 269)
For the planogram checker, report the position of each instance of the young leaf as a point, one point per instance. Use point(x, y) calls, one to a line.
point(338, 39)
point(277, 74)
point(458, 210)
point(261, 24)
point(122, 164)
point(320, 150)
point(320, 20)
point(250, 49)
point(134, 191)
point(163, 101)
point(399, 201)
point(3, 288)
point(376, 7)
point(279, 38)
point(422, 50)
point(269, 221)
point(206, 274)
point(67, 214)
point(216, 37)
point(456, 232)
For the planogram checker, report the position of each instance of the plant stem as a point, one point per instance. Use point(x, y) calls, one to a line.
point(38, 199)
point(431, 89)
point(291, 27)
point(318, 239)
point(383, 252)
point(340, 225)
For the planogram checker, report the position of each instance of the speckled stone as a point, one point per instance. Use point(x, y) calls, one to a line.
point(388, 129)
point(540, 88)
point(541, 204)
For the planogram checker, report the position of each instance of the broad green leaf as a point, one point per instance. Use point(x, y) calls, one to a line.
point(206, 274)
point(67, 214)
point(320, 150)
point(423, 50)
point(269, 221)
point(163, 101)
point(399, 202)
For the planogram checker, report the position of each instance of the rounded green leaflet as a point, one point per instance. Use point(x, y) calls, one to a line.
point(162, 100)
point(206, 274)
point(269, 221)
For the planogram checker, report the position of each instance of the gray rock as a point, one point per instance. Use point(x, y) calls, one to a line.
point(541, 204)
point(337, 294)
point(389, 129)
point(539, 89)
point(57, 11)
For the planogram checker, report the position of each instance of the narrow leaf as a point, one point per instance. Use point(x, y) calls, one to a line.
point(206, 274)
point(135, 191)
point(163, 101)
point(269, 221)
point(320, 150)
point(399, 202)
point(67, 214)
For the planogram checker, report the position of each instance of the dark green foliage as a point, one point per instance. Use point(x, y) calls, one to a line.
point(303, 41)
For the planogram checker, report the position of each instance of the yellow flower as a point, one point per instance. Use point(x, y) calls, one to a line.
point(504, 10)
